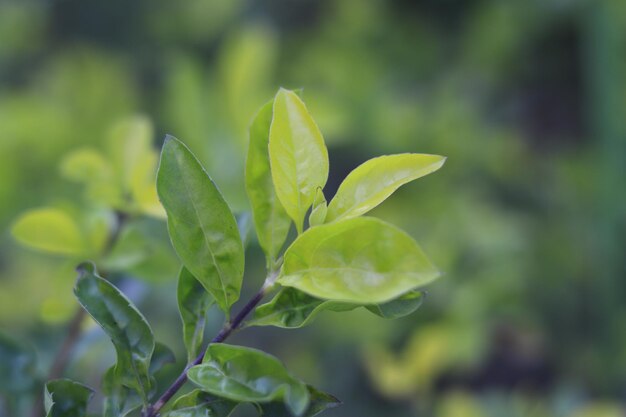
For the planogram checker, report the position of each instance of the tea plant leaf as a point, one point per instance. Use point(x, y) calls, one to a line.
point(119, 400)
point(193, 304)
point(361, 260)
point(200, 404)
point(162, 356)
point(319, 402)
point(291, 309)
point(319, 210)
point(202, 228)
point(50, 230)
point(298, 155)
point(400, 307)
point(375, 180)
point(123, 323)
point(66, 398)
point(244, 374)
point(270, 219)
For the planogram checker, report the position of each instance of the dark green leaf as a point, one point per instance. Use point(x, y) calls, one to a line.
point(202, 228)
point(123, 323)
point(270, 219)
point(200, 404)
point(320, 401)
point(250, 375)
point(66, 398)
point(291, 308)
point(361, 260)
point(193, 304)
point(119, 400)
point(162, 356)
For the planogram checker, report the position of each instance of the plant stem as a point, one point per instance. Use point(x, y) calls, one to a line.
point(223, 334)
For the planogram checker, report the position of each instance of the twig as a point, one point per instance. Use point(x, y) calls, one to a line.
point(223, 334)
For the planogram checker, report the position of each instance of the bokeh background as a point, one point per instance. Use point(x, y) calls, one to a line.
point(526, 219)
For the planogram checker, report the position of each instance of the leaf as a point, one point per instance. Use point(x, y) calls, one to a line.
point(86, 166)
point(119, 401)
point(320, 208)
point(202, 228)
point(291, 309)
point(17, 366)
point(375, 180)
point(200, 404)
point(50, 230)
point(66, 398)
point(298, 155)
point(361, 260)
point(400, 307)
point(244, 374)
point(162, 356)
point(193, 304)
point(270, 218)
point(320, 401)
point(123, 323)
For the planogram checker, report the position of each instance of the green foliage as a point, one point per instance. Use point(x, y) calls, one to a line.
point(65, 398)
point(193, 304)
point(249, 375)
point(200, 404)
point(202, 228)
point(362, 260)
point(50, 230)
point(17, 366)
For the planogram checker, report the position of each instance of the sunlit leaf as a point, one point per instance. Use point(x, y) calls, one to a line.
point(86, 166)
point(319, 210)
point(298, 155)
point(202, 228)
point(319, 402)
point(270, 219)
point(123, 323)
point(200, 404)
point(244, 374)
point(193, 304)
point(50, 230)
point(66, 398)
point(361, 260)
point(375, 180)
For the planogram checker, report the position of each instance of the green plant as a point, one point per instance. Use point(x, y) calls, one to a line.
point(339, 260)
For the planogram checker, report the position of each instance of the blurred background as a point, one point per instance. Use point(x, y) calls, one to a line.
point(527, 219)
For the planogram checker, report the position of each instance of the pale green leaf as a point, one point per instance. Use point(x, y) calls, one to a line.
point(50, 230)
point(202, 228)
point(270, 219)
point(193, 304)
point(244, 374)
point(361, 260)
point(86, 166)
point(66, 398)
point(319, 210)
point(400, 307)
point(200, 404)
point(298, 155)
point(123, 323)
point(375, 180)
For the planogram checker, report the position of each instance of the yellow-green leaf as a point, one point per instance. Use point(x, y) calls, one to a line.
point(361, 260)
point(270, 219)
point(319, 210)
point(375, 180)
point(298, 155)
point(50, 230)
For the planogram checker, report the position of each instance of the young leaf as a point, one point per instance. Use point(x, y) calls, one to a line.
point(400, 307)
point(291, 309)
point(50, 230)
point(361, 260)
point(200, 404)
point(193, 304)
point(270, 219)
point(319, 210)
point(375, 180)
point(66, 398)
point(298, 155)
point(320, 401)
point(202, 228)
point(123, 323)
point(243, 374)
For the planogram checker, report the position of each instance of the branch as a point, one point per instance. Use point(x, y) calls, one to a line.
point(223, 334)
